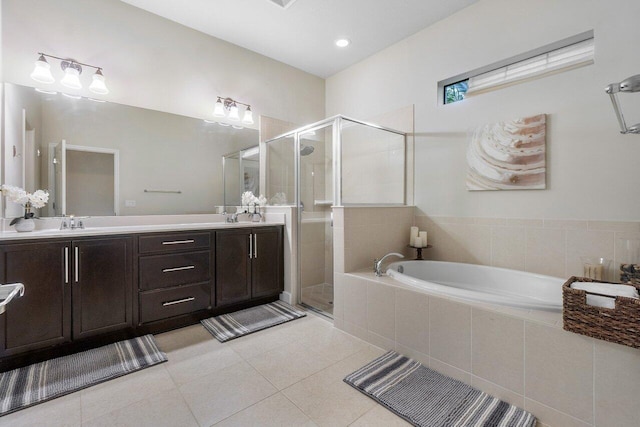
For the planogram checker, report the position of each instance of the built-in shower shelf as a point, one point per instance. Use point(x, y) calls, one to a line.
point(323, 202)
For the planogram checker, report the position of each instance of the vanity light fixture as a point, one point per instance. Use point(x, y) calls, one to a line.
point(632, 84)
point(228, 107)
point(72, 71)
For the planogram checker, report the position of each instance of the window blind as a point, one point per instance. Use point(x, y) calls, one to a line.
point(566, 58)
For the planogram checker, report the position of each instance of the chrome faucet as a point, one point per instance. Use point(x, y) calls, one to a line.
point(72, 223)
point(377, 263)
point(230, 217)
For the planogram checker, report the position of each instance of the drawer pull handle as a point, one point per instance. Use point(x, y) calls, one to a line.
point(186, 267)
point(178, 242)
point(179, 301)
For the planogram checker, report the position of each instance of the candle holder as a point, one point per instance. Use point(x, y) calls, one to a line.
point(419, 251)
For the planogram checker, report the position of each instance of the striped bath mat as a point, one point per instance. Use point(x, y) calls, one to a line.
point(53, 378)
point(426, 398)
point(229, 326)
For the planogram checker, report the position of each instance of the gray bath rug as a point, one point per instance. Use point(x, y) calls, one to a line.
point(229, 326)
point(426, 398)
point(53, 378)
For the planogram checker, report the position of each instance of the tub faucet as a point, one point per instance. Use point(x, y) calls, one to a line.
point(377, 263)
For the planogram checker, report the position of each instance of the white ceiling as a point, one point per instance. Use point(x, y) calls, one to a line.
point(303, 34)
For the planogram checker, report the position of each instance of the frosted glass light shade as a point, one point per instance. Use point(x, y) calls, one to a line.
point(42, 71)
point(218, 109)
point(71, 78)
point(248, 116)
point(233, 112)
point(97, 85)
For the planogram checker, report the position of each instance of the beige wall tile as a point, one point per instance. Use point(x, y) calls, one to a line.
point(559, 370)
point(491, 221)
point(380, 341)
point(498, 349)
point(451, 371)
point(462, 243)
point(453, 220)
point(356, 331)
point(625, 250)
point(524, 222)
point(550, 417)
point(338, 296)
point(566, 223)
point(617, 385)
point(355, 301)
point(381, 310)
point(508, 247)
point(591, 243)
point(546, 251)
point(497, 391)
point(412, 320)
point(414, 354)
point(615, 225)
point(450, 333)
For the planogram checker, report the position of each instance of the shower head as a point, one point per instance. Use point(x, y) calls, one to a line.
point(305, 150)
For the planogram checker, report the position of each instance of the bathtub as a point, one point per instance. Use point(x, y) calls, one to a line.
point(480, 283)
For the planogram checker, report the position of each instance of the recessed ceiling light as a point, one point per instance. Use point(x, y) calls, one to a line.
point(343, 42)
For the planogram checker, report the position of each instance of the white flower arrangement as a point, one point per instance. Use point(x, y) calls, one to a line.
point(251, 201)
point(38, 199)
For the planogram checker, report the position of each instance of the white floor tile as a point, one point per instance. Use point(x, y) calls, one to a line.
point(217, 396)
point(274, 411)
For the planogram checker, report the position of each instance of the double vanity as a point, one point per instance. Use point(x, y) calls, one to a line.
point(88, 287)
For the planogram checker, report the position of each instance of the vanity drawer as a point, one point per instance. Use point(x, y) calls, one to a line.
point(165, 303)
point(173, 242)
point(163, 271)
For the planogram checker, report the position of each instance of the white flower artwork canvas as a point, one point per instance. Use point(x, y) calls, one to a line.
point(509, 155)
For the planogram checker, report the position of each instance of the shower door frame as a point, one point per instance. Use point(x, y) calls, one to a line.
point(336, 121)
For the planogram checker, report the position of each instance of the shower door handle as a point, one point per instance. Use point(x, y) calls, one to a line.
point(331, 219)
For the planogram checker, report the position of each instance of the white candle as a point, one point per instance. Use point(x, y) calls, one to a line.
point(417, 242)
point(423, 236)
point(413, 235)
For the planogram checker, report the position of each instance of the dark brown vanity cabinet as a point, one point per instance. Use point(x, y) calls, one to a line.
point(42, 317)
point(102, 285)
point(249, 264)
point(174, 275)
point(73, 290)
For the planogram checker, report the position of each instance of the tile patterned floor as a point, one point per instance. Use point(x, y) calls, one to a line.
point(289, 375)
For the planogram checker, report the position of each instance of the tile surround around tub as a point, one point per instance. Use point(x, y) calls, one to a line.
point(545, 246)
point(564, 379)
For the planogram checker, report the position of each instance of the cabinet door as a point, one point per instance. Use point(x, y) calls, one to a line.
point(102, 286)
point(42, 317)
point(267, 265)
point(233, 267)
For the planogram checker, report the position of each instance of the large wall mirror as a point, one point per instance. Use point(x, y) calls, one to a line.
point(101, 158)
point(241, 172)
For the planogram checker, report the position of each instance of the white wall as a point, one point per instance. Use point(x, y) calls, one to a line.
point(151, 62)
point(592, 169)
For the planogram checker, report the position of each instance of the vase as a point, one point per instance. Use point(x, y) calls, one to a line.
point(25, 225)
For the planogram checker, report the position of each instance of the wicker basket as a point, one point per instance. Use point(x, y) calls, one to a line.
point(620, 324)
point(630, 273)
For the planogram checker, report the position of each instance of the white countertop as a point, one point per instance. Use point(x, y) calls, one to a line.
point(102, 226)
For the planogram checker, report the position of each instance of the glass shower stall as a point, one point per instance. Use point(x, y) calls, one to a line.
point(332, 163)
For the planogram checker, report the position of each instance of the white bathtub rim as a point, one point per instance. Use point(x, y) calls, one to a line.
point(467, 295)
